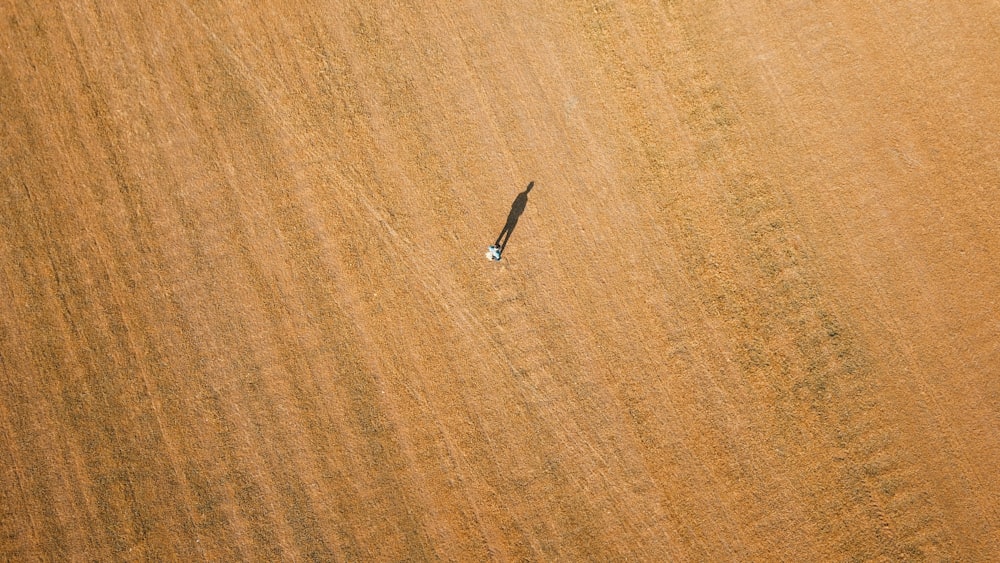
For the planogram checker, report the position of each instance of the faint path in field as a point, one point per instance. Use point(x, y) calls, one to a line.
point(822, 379)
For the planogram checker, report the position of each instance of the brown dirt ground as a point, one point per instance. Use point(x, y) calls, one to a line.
point(750, 312)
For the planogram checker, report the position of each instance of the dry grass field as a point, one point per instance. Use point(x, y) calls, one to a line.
point(750, 311)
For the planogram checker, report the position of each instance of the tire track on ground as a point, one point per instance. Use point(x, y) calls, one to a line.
point(825, 380)
point(790, 343)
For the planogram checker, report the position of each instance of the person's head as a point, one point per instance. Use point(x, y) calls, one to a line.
point(530, 185)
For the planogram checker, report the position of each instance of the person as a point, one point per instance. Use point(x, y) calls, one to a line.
point(493, 253)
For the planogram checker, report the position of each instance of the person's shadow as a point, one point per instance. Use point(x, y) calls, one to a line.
point(516, 209)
